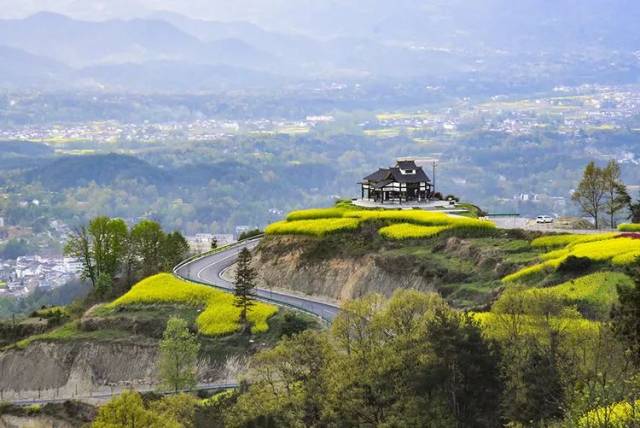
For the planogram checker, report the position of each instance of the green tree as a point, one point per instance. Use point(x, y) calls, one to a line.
point(289, 388)
point(634, 211)
point(591, 192)
point(104, 285)
point(463, 363)
point(179, 407)
point(617, 197)
point(109, 244)
point(178, 355)
point(214, 243)
point(147, 240)
point(244, 284)
point(101, 246)
point(79, 246)
point(127, 411)
point(174, 250)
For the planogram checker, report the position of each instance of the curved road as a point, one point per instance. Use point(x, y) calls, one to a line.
point(208, 270)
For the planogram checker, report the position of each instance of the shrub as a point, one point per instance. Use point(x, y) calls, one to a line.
point(573, 264)
point(219, 317)
point(312, 227)
point(629, 227)
point(294, 323)
point(249, 234)
point(410, 231)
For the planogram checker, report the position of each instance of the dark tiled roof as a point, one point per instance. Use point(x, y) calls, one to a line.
point(381, 184)
point(379, 175)
point(418, 177)
point(407, 165)
point(393, 174)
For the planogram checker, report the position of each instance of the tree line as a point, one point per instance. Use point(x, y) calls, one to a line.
point(412, 360)
point(602, 193)
point(112, 253)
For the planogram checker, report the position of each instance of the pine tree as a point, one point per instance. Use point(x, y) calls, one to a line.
point(244, 284)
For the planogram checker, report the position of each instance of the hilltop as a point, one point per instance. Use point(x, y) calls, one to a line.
point(347, 252)
point(413, 283)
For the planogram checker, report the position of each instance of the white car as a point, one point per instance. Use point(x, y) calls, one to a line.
point(542, 219)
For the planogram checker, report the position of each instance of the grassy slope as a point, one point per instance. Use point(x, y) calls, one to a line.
point(136, 322)
point(467, 271)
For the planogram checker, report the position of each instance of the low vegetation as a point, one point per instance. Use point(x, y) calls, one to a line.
point(618, 415)
point(550, 241)
point(396, 224)
point(317, 213)
point(411, 360)
point(219, 315)
point(610, 248)
point(410, 231)
point(629, 227)
point(317, 228)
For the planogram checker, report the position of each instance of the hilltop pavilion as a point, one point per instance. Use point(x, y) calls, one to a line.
point(404, 182)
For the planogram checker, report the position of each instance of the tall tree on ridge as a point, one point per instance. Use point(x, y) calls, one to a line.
point(617, 197)
point(148, 239)
point(591, 192)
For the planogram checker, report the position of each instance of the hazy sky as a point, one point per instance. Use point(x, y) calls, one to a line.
point(248, 10)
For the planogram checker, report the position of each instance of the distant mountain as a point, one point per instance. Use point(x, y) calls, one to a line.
point(22, 69)
point(80, 43)
point(545, 42)
point(282, 45)
point(83, 43)
point(72, 171)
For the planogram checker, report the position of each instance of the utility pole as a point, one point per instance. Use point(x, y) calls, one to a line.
point(433, 165)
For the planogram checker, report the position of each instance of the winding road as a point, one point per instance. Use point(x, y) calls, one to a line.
point(209, 270)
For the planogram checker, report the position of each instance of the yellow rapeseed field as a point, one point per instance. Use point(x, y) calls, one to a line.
point(496, 326)
point(322, 221)
point(410, 231)
point(570, 239)
point(318, 227)
point(619, 415)
point(219, 316)
point(607, 247)
point(316, 213)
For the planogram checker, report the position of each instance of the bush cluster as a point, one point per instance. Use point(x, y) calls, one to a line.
point(629, 227)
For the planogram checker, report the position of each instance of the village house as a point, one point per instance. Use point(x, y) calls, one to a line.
point(404, 182)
